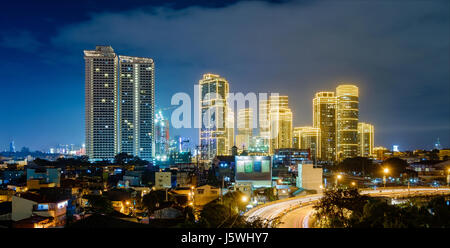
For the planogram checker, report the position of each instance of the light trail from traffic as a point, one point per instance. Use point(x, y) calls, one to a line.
point(284, 208)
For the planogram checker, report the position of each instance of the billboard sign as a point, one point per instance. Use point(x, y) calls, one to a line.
point(253, 168)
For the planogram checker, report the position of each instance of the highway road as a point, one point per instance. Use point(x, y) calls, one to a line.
point(293, 216)
point(297, 218)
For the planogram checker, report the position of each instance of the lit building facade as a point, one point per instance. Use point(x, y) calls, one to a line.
point(101, 100)
point(308, 138)
point(264, 122)
point(230, 130)
point(347, 121)
point(245, 128)
point(215, 131)
point(259, 146)
point(12, 147)
point(324, 118)
point(119, 104)
point(381, 152)
point(280, 119)
point(366, 135)
point(137, 101)
point(162, 138)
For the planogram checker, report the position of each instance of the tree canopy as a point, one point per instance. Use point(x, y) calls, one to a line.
point(99, 204)
point(347, 208)
point(395, 165)
point(361, 165)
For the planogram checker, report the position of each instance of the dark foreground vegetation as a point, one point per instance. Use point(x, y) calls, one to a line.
point(348, 209)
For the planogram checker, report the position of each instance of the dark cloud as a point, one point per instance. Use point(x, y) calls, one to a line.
point(24, 41)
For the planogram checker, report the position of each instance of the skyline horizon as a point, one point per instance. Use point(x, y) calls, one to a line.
point(297, 47)
point(255, 130)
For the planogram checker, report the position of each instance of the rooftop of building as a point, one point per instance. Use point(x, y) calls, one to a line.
point(41, 197)
point(131, 59)
point(100, 51)
point(33, 219)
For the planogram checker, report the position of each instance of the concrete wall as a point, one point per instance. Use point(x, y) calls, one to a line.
point(309, 177)
point(21, 208)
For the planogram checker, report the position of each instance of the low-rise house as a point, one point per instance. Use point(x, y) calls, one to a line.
point(205, 194)
point(30, 204)
point(47, 174)
point(123, 201)
point(244, 187)
point(35, 222)
point(163, 180)
point(33, 184)
point(6, 195)
point(167, 213)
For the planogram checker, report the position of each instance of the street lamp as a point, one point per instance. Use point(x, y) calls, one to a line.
point(448, 177)
point(338, 177)
point(386, 171)
point(353, 184)
point(244, 199)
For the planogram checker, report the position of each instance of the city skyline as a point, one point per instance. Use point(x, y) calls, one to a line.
point(401, 91)
point(206, 117)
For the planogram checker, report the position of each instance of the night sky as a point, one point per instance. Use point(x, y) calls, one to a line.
point(397, 52)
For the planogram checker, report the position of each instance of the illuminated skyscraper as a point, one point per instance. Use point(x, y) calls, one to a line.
point(137, 101)
point(12, 147)
point(365, 139)
point(119, 95)
point(324, 118)
point(162, 138)
point(347, 121)
point(215, 134)
point(245, 128)
point(280, 117)
point(308, 138)
point(259, 146)
point(264, 122)
point(230, 129)
point(101, 99)
point(437, 145)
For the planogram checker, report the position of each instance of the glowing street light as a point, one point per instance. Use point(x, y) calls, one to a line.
point(448, 177)
point(353, 184)
point(338, 177)
point(244, 199)
point(386, 171)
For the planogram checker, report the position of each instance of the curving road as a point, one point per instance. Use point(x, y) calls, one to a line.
point(293, 216)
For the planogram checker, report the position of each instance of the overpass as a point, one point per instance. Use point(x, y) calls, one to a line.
point(295, 211)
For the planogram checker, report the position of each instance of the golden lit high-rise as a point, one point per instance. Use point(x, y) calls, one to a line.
point(263, 118)
point(324, 118)
point(366, 135)
point(280, 119)
point(347, 113)
point(230, 129)
point(308, 138)
point(214, 135)
point(245, 128)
